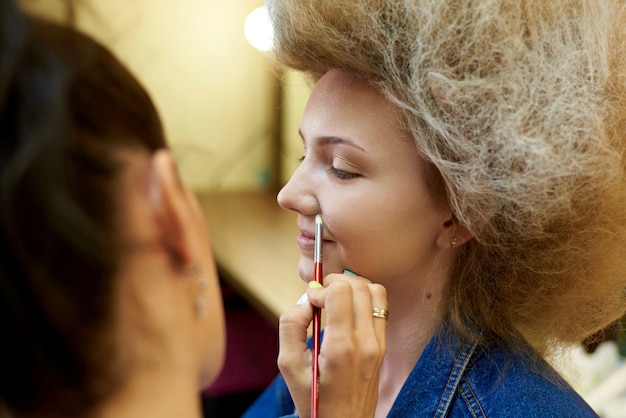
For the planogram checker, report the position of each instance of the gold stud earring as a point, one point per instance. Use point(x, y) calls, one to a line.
point(454, 241)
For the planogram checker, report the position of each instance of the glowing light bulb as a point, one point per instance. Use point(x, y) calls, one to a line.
point(258, 30)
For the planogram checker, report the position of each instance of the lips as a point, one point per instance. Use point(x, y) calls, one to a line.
point(306, 237)
point(306, 241)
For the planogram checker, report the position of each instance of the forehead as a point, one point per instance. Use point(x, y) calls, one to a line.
point(348, 105)
point(339, 87)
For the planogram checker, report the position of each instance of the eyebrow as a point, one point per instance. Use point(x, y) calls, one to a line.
point(332, 140)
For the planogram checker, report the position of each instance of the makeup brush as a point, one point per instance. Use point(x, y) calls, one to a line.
point(317, 315)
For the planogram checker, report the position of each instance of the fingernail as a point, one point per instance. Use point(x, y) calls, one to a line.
point(350, 272)
point(303, 299)
point(315, 285)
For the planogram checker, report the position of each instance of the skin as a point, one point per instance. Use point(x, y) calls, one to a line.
point(166, 352)
point(365, 176)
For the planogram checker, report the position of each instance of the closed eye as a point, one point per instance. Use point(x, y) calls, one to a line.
point(343, 175)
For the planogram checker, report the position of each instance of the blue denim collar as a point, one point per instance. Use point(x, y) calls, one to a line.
point(435, 377)
point(455, 377)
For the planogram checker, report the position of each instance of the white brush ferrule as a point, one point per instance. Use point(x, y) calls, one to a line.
point(319, 229)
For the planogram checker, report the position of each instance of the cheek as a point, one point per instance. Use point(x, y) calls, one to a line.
point(357, 233)
point(378, 237)
point(365, 247)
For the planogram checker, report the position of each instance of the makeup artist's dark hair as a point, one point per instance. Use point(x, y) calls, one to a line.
point(68, 109)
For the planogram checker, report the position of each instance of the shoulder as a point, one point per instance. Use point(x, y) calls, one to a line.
point(497, 384)
point(274, 402)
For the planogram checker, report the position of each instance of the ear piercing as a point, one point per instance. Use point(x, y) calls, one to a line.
point(203, 282)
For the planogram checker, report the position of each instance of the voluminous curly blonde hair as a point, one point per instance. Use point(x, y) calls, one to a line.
point(520, 106)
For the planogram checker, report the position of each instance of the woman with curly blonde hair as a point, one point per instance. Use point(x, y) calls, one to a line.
point(468, 156)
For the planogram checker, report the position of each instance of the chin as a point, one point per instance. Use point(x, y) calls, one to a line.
point(305, 269)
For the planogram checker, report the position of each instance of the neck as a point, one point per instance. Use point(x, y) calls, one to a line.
point(161, 392)
point(154, 340)
point(411, 326)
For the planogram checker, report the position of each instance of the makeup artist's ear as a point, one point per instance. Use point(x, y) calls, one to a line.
point(453, 234)
point(172, 210)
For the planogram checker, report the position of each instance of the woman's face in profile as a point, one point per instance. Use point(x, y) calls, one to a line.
point(364, 175)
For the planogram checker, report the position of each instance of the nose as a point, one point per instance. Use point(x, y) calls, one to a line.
point(298, 195)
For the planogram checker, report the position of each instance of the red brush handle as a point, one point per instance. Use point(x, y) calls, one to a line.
point(315, 372)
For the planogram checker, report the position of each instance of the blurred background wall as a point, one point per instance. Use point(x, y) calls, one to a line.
point(218, 96)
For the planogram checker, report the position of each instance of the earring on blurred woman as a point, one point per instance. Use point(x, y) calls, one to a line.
point(203, 282)
point(201, 301)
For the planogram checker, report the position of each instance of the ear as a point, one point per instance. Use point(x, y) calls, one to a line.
point(453, 234)
point(172, 210)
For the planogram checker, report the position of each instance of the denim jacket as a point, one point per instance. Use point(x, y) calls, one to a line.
point(463, 380)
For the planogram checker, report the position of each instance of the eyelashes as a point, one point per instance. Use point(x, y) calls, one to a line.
point(343, 175)
point(340, 174)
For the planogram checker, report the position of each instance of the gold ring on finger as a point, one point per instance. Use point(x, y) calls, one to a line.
point(380, 313)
